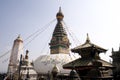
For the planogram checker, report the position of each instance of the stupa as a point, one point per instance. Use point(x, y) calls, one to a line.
point(45, 65)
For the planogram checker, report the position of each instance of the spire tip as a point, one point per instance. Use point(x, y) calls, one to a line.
point(87, 40)
point(60, 9)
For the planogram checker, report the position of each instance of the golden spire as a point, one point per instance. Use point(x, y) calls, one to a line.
point(59, 15)
point(59, 42)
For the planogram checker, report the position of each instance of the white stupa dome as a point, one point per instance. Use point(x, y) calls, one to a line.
point(45, 63)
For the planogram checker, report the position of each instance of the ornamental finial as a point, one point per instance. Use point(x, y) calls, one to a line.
point(87, 40)
point(59, 15)
point(60, 9)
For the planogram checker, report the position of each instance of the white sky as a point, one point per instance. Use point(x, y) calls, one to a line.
point(99, 18)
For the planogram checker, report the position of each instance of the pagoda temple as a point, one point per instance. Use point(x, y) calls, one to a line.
point(90, 66)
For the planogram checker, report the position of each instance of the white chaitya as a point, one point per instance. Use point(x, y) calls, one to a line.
point(19, 65)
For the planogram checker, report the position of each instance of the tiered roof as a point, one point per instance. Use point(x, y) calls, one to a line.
point(88, 45)
point(89, 53)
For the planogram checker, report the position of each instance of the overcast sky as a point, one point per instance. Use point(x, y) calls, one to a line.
point(99, 18)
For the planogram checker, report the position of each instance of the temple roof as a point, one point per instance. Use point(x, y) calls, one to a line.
point(89, 56)
point(85, 63)
point(87, 45)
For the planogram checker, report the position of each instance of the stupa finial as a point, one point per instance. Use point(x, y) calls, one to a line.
point(60, 9)
point(59, 15)
point(87, 39)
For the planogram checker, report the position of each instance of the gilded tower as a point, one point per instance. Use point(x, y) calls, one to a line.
point(17, 50)
point(59, 42)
